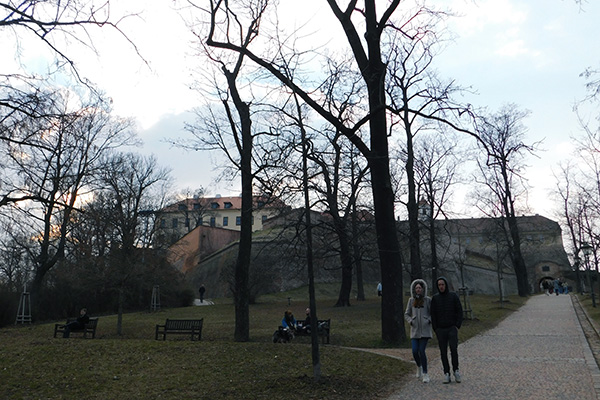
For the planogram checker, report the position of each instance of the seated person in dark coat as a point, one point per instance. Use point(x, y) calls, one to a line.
point(77, 325)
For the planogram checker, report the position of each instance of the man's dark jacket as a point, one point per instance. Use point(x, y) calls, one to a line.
point(446, 310)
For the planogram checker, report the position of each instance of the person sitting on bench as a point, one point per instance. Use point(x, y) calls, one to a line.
point(306, 324)
point(77, 325)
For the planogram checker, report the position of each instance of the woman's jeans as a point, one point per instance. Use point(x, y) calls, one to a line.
point(418, 350)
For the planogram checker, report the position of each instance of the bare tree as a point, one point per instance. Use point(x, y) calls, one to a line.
point(57, 24)
point(502, 172)
point(131, 184)
point(238, 127)
point(47, 171)
point(571, 212)
point(436, 170)
point(367, 53)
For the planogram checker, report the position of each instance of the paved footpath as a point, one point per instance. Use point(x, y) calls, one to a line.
point(538, 352)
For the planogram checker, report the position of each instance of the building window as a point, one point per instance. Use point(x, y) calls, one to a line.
point(260, 204)
point(238, 221)
point(213, 221)
point(200, 221)
point(182, 207)
point(225, 221)
point(187, 222)
point(228, 204)
point(545, 268)
point(214, 205)
point(163, 223)
point(264, 219)
point(196, 206)
point(174, 223)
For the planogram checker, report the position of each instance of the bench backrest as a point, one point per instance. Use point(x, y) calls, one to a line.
point(183, 324)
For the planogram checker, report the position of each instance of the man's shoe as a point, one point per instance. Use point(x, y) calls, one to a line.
point(419, 372)
point(426, 378)
point(447, 378)
point(457, 376)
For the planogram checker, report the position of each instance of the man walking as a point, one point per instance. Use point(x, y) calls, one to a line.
point(446, 319)
point(202, 290)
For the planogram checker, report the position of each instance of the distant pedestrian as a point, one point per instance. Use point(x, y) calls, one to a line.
point(379, 289)
point(418, 315)
point(546, 287)
point(557, 286)
point(202, 290)
point(446, 319)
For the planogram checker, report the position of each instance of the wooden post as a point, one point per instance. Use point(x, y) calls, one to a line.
point(24, 311)
point(155, 304)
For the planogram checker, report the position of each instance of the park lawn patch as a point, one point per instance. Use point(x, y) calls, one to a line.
point(35, 365)
point(142, 369)
point(593, 312)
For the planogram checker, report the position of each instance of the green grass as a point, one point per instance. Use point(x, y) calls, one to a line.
point(593, 312)
point(34, 365)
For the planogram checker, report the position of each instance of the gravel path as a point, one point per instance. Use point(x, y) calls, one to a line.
point(538, 352)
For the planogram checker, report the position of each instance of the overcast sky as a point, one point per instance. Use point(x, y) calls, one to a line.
point(528, 52)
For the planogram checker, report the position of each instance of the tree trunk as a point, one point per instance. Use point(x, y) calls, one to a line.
point(517, 257)
point(314, 335)
point(416, 272)
point(120, 301)
point(360, 289)
point(242, 269)
point(435, 266)
point(392, 321)
point(346, 260)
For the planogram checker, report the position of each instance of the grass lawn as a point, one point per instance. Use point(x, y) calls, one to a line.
point(34, 365)
point(593, 312)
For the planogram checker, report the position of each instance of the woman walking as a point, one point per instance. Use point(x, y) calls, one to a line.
point(418, 315)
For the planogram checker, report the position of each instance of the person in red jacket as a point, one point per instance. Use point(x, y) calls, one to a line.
point(446, 319)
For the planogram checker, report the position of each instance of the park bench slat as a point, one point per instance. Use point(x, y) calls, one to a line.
point(323, 328)
point(193, 327)
point(90, 328)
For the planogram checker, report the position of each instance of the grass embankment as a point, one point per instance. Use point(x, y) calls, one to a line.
point(592, 312)
point(34, 365)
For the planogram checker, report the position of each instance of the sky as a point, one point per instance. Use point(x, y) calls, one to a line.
point(527, 52)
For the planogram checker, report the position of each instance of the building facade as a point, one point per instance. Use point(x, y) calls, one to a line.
point(179, 219)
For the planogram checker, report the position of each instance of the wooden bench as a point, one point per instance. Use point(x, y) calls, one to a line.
point(90, 328)
point(192, 327)
point(324, 325)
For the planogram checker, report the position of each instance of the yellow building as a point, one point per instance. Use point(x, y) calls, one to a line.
point(178, 219)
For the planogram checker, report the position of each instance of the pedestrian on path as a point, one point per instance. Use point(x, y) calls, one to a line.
point(202, 290)
point(517, 359)
point(557, 286)
point(418, 315)
point(446, 318)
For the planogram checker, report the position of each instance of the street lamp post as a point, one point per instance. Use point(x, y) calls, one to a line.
point(587, 251)
point(576, 264)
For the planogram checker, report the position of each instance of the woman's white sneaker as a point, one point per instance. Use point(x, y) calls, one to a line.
point(419, 372)
point(425, 378)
